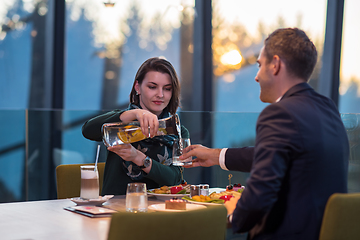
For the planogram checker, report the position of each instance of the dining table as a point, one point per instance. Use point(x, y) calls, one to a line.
point(40, 220)
point(47, 219)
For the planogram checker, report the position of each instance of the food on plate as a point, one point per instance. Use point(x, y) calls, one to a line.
point(226, 197)
point(176, 189)
point(162, 190)
point(218, 197)
point(202, 199)
point(215, 195)
point(176, 204)
point(167, 189)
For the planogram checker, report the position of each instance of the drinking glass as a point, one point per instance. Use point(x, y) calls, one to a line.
point(178, 149)
point(136, 197)
point(89, 182)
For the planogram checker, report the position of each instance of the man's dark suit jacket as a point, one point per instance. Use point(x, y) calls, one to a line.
point(299, 159)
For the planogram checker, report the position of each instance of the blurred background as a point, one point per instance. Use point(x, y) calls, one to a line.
point(63, 62)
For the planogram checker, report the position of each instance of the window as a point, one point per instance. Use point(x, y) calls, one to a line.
point(22, 53)
point(239, 29)
point(349, 98)
point(106, 45)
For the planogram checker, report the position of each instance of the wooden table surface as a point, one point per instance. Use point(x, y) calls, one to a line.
point(40, 220)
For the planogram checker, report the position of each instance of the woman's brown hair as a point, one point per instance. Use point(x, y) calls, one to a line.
point(158, 65)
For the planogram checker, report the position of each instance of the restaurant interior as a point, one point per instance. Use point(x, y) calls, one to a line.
point(64, 62)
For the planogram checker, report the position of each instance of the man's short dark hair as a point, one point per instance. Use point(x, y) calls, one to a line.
point(293, 47)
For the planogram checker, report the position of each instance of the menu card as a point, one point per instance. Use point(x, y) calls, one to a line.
point(91, 211)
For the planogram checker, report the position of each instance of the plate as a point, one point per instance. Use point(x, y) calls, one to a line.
point(161, 207)
point(217, 190)
point(165, 196)
point(93, 202)
point(213, 202)
point(203, 203)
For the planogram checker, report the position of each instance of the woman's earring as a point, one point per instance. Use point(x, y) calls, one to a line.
point(137, 93)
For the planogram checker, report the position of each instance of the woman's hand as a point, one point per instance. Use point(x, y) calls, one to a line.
point(128, 153)
point(149, 122)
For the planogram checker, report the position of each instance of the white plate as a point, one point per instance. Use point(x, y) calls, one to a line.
point(93, 202)
point(217, 190)
point(161, 207)
point(165, 196)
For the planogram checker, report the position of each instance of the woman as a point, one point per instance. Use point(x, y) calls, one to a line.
point(155, 95)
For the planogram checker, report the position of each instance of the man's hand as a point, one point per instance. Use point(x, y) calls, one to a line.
point(205, 157)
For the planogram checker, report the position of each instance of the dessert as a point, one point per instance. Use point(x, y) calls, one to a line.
point(229, 187)
point(183, 183)
point(237, 186)
point(175, 204)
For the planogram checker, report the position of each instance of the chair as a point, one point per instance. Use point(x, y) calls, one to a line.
point(341, 217)
point(207, 223)
point(68, 179)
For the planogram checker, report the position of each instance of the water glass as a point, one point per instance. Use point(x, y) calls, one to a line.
point(136, 198)
point(178, 149)
point(89, 182)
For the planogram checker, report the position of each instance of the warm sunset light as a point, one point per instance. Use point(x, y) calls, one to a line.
point(109, 4)
point(231, 58)
point(227, 57)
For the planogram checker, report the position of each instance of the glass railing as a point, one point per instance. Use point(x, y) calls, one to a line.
point(34, 142)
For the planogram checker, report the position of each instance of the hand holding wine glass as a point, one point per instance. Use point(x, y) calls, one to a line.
point(178, 150)
point(204, 157)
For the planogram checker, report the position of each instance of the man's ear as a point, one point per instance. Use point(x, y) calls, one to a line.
point(276, 61)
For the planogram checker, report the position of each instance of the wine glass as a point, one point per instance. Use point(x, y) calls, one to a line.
point(178, 149)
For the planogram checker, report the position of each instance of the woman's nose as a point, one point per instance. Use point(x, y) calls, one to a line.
point(160, 93)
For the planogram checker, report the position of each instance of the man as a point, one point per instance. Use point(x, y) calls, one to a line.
point(301, 149)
